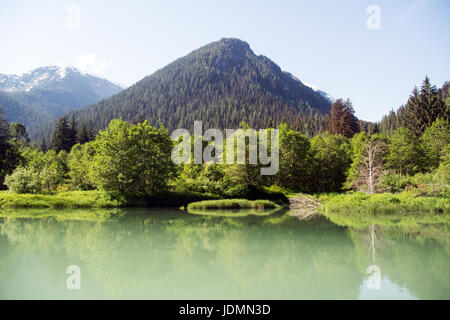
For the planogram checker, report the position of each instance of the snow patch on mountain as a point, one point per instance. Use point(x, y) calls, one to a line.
point(321, 92)
point(54, 77)
point(325, 95)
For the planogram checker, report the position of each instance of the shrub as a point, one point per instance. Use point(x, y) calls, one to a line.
point(21, 181)
point(42, 173)
point(395, 182)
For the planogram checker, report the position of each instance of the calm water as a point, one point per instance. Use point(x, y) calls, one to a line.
point(166, 254)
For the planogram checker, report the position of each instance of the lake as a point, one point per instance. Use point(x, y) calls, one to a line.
point(173, 254)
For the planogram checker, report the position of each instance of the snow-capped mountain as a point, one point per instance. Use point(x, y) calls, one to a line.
point(325, 95)
point(321, 92)
point(56, 77)
point(42, 95)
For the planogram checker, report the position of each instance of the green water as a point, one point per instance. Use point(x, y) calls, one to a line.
point(168, 254)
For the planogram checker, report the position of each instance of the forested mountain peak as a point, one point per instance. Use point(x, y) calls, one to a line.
point(226, 47)
point(222, 84)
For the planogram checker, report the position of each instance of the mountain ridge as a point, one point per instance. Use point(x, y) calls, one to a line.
point(37, 97)
point(221, 83)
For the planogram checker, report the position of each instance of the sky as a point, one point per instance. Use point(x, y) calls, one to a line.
point(373, 52)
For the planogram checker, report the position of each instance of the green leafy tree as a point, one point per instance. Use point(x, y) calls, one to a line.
point(22, 180)
point(329, 160)
point(405, 155)
point(208, 177)
point(434, 141)
point(294, 148)
point(131, 158)
point(79, 161)
point(248, 174)
point(39, 172)
point(54, 170)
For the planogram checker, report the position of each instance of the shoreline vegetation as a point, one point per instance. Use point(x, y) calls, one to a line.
point(350, 203)
point(169, 199)
point(100, 199)
point(382, 203)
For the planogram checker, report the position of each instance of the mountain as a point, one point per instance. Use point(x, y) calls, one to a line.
point(328, 97)
point(38, 97)
point(222, 84)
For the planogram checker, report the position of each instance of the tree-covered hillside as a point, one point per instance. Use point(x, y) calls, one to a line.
point(222, 84)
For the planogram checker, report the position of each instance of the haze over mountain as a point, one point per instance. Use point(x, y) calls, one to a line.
point(42, 95)
point(222, 84)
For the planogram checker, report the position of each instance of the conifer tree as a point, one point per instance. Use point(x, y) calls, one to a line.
point(73, 130)
point(62, 136)
point(341, 119)
point(9, 153)
point(82, 137)
point(90, 131)
point(44, 147)
point(423, 108)
point(4, 135)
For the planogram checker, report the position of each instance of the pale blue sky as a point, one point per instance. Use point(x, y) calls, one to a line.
point(326, 43)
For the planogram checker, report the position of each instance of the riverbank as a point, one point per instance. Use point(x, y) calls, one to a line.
point(103, 199)
point(353, 202)
point(386, 203)
point(100, 199)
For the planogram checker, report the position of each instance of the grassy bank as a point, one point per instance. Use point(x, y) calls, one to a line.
point(405, 202)
point(65, 214)
point(69, 199)
point(99, 199)
point(232, 204)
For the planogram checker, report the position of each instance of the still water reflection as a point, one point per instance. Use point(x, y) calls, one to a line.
point(169, 254)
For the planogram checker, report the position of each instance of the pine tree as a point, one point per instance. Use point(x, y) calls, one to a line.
point(4, 134)
point(90, 131)
point(44, 147)
point(9, 153)
point(349, 122)
point(62, 136)
point(83, 135)
point(423, 108)
point(341, 119)
point(73, 129)
point(334, 117)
